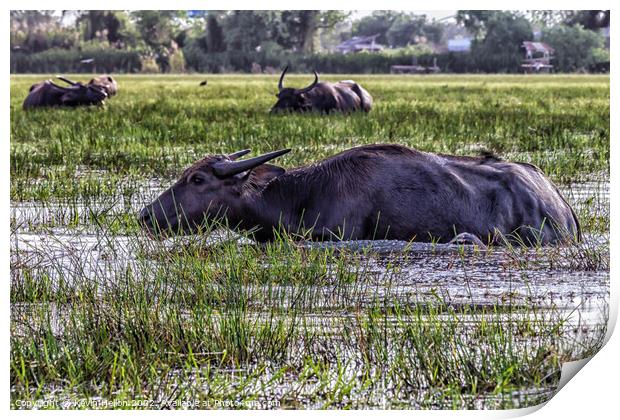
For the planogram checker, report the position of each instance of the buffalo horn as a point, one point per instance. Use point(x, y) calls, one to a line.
point(237, 155)
point(309, 88)
point(224, 169)
point(64, 79)
point(280, 87)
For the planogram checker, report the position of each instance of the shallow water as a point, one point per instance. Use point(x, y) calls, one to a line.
point(592, 196)
point(459, 275)
point(393, 273)
point(545, 284)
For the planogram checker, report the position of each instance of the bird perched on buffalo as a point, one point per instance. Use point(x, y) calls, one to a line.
point(48, 93)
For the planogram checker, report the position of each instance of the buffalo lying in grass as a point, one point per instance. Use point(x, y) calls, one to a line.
point(47, 93)
point(368, 192)
point(344, 96)
point(106, 82)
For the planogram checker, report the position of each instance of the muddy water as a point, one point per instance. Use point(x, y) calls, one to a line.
point(549, 282)
point(592, 197)
point(458, 274)
point(26, 215)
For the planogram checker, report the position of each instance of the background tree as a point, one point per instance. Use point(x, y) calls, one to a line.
point(589, 19)
point(215, 34)
point(302, 27)
point(475, 21)
point(245, 30)
point(96, 23)
point(39, 30)
point(398, 29)
point(406, 30)
point(220, 41)
point(500, 50)
point(434, 31)
point(575, 47)
point(379, 22)
point(157, 27)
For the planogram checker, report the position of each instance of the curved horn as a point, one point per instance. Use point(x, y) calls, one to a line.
point(280, 87)
point(237, 155)
point(223, 169)
point(64, 79)
point(309, 88)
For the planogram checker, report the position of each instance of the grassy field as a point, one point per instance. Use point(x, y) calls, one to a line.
point(103, 316)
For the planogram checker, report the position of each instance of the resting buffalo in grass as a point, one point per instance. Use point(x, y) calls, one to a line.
point(47, 93)
point(344, 96)
point(106, 82)
point(368, 192)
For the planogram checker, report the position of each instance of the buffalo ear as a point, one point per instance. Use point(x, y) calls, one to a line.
point(263, 174)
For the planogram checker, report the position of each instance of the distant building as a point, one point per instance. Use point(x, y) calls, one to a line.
point(459, 45)
point(538, 56)
point(360, 43)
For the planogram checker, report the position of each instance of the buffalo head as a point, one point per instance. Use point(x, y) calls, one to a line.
point(290, 99)
point(209, 190)
point(106, 83)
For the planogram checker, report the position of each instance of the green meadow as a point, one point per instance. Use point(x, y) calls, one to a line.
point(102, 316)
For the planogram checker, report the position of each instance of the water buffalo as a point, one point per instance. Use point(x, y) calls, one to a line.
point(47, 93)
point(344, 96)
point(106, 82)
point(379, 191)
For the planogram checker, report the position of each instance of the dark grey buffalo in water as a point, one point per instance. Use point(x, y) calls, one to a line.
point(48, 93)
point(344, 96)
point(369, 192)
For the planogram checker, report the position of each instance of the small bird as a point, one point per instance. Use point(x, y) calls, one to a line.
point(203, 83)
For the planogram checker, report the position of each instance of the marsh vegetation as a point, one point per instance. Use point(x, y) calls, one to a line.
point(101, 312)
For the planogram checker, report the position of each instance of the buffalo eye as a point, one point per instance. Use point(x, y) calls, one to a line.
point(197, 180)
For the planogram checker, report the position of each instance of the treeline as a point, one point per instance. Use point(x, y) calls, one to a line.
point(244, 41)
point(114, 61)
point(57, 60)
point(362, 63)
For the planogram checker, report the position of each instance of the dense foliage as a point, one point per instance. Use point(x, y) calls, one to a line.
point(575, 48)
point(244, 41)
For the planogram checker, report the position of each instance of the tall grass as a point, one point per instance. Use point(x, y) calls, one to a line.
point(159, 124)
point(195, 321)
point(104, 317)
